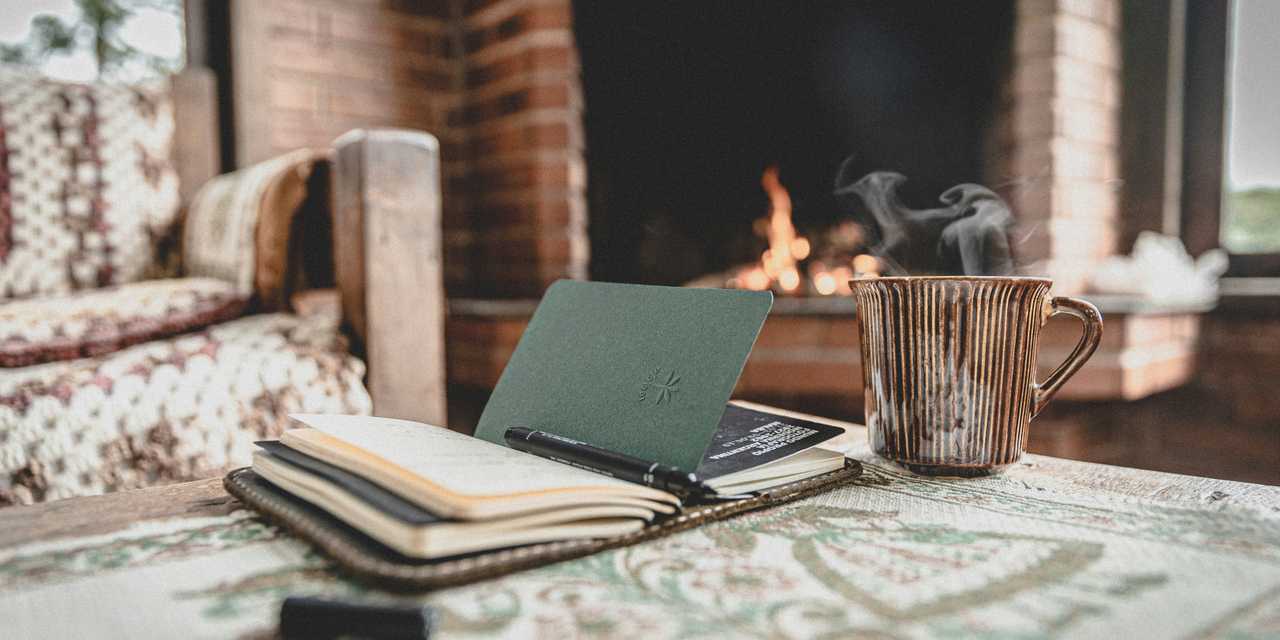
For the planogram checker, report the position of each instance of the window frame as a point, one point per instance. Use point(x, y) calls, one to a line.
point(1205, 140)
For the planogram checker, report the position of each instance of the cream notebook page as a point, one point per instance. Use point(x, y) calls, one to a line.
point(458, 463)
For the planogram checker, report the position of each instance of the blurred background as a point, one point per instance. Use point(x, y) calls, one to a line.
point(1135, 143)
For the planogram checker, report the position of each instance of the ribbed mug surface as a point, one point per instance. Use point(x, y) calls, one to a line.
point(948, 366)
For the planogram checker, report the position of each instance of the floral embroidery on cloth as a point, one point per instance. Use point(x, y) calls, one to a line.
point(1044, 551)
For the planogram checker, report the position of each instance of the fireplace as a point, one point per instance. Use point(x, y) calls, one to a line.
point(652, 142)
point(627, 141)
point(702, 119)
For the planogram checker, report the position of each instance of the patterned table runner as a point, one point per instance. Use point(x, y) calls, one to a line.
point(1051, 548)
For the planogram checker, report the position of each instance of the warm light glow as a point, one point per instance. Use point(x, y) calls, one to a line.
point(789, 279)
point(800, 248)
point(770, 265)
point(842, 276)
point(755, 279)
point(825, 283)
point(866, 266)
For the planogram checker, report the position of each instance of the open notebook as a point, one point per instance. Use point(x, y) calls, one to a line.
point(429, 492)
point(641, 371)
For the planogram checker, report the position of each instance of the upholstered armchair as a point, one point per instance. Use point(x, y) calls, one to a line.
point(151, 327)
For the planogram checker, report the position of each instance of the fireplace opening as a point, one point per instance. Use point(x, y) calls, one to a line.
point(696, 113)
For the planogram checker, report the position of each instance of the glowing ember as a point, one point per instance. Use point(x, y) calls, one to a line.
point(866, 266)
point(754, 279)
point(825, 283)
point(830, 281)
point(800, 248)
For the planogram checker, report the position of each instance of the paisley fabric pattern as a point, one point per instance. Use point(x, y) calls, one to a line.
point(1051, 549)
point(169, 410)
point(100, 321)
point(87, 190)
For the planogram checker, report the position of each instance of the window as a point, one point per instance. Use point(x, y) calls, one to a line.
point(85, 40)
point(1251, 189)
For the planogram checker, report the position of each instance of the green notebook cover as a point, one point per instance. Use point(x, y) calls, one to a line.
point(638, 369)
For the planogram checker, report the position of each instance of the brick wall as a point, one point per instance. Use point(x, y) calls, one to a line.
point(306, 71)
point(521, 216)
point(1240, 363)
point(1058, 142)
point(495, 80)
point(1222, 424)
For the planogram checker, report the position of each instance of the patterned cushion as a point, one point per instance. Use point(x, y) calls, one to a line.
point(90, 323)
point(238, 226)
point(86, 185)
point(169, 410)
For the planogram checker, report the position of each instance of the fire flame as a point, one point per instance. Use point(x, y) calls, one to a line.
point(780, 263)
point(786, 248)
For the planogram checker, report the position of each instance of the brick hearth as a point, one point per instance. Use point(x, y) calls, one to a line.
point(808, 349)
point(1121, 408)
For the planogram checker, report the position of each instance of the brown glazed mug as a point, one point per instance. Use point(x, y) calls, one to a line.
point(948, 366)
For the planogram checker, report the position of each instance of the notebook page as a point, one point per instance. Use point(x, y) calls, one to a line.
point(462, 464)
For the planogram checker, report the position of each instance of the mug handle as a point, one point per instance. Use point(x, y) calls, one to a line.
point(1092, 321)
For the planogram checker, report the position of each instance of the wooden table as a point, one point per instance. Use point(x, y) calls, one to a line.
point(1050, 548)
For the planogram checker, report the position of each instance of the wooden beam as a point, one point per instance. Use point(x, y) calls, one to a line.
point(1174, 117)
point(100, 515)
point(387, 251)
point(1204, 151)
point(195, 22)
point(195, 141)
point(1151, 117)
point(250, 82)
point(207, 28)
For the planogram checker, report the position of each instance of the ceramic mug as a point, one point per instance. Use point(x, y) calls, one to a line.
point(948, 367)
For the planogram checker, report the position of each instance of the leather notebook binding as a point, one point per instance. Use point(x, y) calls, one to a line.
point(365, 559)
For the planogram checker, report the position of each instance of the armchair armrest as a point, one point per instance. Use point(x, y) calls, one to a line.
point(387, 263)
point(240, 226)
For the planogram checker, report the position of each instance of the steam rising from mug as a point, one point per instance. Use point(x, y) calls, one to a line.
point(968, 236)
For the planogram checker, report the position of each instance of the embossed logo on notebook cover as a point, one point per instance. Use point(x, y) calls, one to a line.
point(658, 387)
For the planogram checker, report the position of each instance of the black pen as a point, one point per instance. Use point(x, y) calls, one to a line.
point(603, 461)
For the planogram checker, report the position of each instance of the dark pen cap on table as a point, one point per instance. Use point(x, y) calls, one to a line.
point(302, 617)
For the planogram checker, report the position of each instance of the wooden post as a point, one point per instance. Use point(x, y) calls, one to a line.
point(1208, 56)
point(387, 256)
point(250, 98)
point(1151, 118)
point(196, 157)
